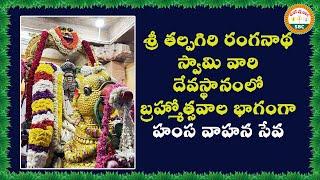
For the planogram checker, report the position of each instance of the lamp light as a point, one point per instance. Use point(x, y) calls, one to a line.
point(99, 23)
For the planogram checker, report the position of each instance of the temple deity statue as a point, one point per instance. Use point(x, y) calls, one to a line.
point(74, 119)
point(69, 83)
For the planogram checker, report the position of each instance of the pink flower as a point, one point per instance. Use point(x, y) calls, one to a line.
point(102, 156)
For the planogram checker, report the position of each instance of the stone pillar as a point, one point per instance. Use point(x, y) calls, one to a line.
point(116, 70)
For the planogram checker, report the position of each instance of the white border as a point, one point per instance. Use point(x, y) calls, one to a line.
point(134, 95)
point(111, 41)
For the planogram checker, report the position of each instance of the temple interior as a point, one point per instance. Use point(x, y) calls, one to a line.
point(114, 46)
point(77, 92)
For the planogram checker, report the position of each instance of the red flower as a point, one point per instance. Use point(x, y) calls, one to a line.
point(88, 50)
point(42, 75)
point(43, 124)
point(34, 66)
point(76, 93)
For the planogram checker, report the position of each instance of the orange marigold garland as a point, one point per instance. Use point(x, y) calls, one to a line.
point(63, 46)
point(66, 44)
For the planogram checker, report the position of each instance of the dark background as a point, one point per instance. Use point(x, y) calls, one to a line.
point(285, 74)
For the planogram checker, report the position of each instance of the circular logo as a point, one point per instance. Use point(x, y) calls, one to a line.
point(299, 19)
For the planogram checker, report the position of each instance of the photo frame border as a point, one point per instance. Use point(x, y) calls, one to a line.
point(6, 5)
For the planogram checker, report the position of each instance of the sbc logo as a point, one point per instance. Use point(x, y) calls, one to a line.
point(299, 19)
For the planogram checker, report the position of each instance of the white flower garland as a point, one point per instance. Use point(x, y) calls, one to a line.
point(67, 132)
point(86, 70)
point(98, 68)
point(68, 127)
point(42, 85)
point(41, 117)
point(126, 149)
point(114, 100)
point(36, 159)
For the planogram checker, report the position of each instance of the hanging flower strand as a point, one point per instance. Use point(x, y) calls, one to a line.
point(103, 146)
point(88, 51)
point(102, 156)
point(35, 64)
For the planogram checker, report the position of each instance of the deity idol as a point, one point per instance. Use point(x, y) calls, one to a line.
point(78, 135)
point(90, 132)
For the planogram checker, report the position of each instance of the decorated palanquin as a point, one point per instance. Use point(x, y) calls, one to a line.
point(75, 119)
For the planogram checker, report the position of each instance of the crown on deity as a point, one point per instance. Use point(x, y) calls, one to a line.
point(68, 66)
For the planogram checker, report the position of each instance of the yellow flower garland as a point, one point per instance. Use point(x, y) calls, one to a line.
point(47, 68)
point(42, 104)
point(59, 101)
point(41, 137)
